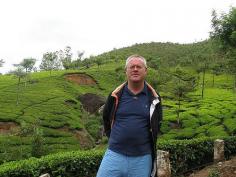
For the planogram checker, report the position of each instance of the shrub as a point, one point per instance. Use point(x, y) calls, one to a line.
point(231, 125)
point(193, 123)
point(217, 131)
point(76, 164)
point(214, 173)
point(185, 155)
point(94, 128)
point(186, 133)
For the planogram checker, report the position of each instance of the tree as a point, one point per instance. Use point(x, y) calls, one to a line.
point(37, 142)
point(224, 28)
point(98, 61)
point(154, 62)
point(66, 57)
point(19, 73)
point(224, 34)
point(80, 54)
point(183, 83)
point(50, 62)
point(86, 62)
point(33, 130)
point(232, 65)
point(216, 70)
point(28, 64)
point(1, 62)
point(78, 62)
point(201, 64)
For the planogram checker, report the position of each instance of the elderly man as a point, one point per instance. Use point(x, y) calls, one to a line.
point(132, 116)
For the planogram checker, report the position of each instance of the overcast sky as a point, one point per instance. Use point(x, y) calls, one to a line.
point(30, 28)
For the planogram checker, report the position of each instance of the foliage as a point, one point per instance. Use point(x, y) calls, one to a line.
point(224, 33)
point(214, 173)
point(183, 83)
point(37, 142)
point(224, 28)
point(28, 64)
point(75, 163)
point(66, 57)
point(185, 155)
point(44, 99)
point(50, 61)
point(20, 74)
point(1, 62)
point(62, 124)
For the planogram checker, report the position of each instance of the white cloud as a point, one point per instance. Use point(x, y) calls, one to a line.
point(30, 28)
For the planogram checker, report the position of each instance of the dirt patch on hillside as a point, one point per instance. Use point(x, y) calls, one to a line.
point(223, 169)
point(91, 102)
point(8, 127)
point(81, 79)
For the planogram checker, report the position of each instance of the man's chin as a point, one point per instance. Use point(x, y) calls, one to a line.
point(136, 80)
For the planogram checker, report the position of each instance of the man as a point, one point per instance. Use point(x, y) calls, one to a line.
point(132, 116)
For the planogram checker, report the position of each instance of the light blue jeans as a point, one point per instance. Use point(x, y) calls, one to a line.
point(117, 165)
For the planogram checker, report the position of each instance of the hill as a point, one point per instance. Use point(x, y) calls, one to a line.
point(53, 111)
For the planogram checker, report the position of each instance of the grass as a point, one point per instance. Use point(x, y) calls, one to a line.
point(43, 103)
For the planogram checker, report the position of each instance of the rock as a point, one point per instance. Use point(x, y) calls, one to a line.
point(91, 102)
point(219, 150)
point(163, 164)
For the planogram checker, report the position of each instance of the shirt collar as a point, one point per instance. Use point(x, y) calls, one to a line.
point(144, 91)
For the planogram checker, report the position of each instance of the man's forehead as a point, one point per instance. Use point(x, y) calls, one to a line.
point(135, 60)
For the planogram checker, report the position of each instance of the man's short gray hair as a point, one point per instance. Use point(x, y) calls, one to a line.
point(136, 56)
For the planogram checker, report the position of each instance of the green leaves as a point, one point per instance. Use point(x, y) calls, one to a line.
point(75, 163)
point(224, 28)
point(184, 155)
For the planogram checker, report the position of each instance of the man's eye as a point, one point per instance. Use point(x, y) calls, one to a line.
point(133, 67)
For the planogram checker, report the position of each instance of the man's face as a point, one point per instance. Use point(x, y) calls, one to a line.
point(136, 70)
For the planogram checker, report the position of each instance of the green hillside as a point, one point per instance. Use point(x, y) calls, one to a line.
point(50, 116)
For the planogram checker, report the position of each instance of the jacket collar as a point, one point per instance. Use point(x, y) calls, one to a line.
point(116, 92)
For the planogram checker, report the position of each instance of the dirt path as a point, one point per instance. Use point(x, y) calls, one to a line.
point(221, 169)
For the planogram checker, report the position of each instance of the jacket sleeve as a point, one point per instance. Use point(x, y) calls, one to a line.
point(107, 115)
point(160, 116)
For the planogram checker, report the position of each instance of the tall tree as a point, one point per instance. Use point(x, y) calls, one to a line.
point(98, 60)
point(28, 64)
point(50, 62)
point(66, 57)
point(183, 83)
point(224, 34)
point(80, 54)
point(86, 62)
point(1, 62)
point(19, 73)
point(78, 62)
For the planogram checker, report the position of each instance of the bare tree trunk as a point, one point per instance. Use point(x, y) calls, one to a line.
point(234, 83)
point(178, 112)
point(203, 82)
point(178, 106)
point(18, 90)
point(213, 81)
